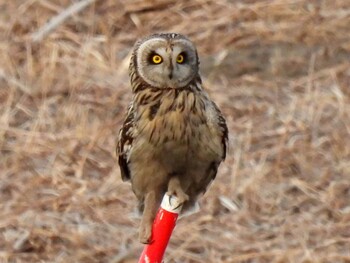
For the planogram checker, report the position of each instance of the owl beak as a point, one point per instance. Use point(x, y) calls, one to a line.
point(171, 68)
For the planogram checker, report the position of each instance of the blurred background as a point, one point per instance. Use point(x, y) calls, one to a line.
point(278, 69)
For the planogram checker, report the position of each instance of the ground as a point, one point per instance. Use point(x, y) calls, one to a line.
point(280, 72)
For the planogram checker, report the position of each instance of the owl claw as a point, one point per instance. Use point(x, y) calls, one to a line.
point(170, 197)
point(181, 196)
point(178, 206)
point(170, 202)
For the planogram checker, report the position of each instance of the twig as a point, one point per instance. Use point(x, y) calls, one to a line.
point(15, 82)
point(59, 19)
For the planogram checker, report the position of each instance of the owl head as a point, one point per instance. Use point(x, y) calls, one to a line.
point(166, 60)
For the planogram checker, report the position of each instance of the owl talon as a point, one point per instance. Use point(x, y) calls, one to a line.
point(178, 206)
point(170, 197)
point(181, 196)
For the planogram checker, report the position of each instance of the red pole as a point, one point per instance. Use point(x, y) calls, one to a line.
point(163, 226)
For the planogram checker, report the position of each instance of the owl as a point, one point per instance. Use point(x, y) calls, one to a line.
point(174, 136)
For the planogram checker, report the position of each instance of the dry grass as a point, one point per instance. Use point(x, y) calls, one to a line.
point(280, 71)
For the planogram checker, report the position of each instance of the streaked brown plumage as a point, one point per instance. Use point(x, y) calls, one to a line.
point(174, 137)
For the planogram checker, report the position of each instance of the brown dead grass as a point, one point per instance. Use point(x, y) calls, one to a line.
point(279, 70)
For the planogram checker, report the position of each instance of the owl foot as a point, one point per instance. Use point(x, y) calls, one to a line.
point(151, 204)
point(145, 233)
point(174, 188)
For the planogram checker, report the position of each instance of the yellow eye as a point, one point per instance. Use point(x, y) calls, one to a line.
point(180, 59)
point(156, 59)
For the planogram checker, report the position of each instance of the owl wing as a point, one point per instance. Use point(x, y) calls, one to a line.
point(212, 168)
point(124, 145)
point(223, 129)
point(223, 133)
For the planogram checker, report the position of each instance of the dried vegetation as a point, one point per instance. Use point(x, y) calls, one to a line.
point(279, 70)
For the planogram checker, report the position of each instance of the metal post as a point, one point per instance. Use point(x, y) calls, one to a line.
point(163, 226)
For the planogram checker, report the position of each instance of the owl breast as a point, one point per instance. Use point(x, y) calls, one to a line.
point(177, 126)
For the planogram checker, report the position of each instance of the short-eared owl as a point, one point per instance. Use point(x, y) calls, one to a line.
point(174, 137)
